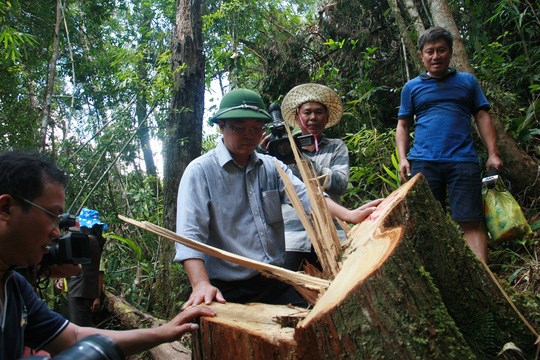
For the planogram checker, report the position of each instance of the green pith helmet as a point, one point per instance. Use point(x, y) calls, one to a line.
point(241, 104)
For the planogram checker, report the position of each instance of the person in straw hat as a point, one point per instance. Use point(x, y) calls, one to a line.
point(230, 198)
point(312, 108)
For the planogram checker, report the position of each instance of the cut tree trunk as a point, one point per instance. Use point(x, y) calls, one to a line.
point(408, 288)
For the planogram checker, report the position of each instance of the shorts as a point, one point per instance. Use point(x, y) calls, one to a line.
point(462, 181)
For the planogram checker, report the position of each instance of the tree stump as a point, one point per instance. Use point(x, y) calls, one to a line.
point(408, 288)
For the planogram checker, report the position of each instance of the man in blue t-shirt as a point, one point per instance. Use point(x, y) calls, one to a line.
point(31, 201)
point(441, 102)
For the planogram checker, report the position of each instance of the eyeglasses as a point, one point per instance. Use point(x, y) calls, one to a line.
point(256, 130)
point(55, 218)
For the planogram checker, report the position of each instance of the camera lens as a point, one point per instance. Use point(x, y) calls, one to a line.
point(94, 347)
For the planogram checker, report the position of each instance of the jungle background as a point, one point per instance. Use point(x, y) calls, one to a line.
point(119, 93)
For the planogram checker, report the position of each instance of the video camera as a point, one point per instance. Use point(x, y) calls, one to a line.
point(279, 145)
point(73, 247)
point(93, 347)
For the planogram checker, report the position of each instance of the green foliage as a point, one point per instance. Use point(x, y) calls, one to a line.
point(137, 250)
point(258, 59)
point(372, 155)
point(132, 255)
point(507, 57)
point(518, 263)
point(14, 42)
point(391, 178)
point(209, 142)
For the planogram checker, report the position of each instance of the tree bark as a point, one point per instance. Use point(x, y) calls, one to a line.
point(442, 16)
point(184, 126)
point(522, 170)
point(46, 113)
point(410, 46)
point(414, 15)
point(409, 288)
point(142, 111)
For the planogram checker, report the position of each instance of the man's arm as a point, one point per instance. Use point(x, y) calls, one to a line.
point(354, 216)
point(402, 143)
point(202, 290)
point(489, 137)
point(133, 341)
point(96, 304)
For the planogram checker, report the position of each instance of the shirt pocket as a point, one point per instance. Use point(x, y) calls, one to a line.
point(272, 206)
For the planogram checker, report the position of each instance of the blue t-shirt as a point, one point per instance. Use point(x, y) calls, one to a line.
point(25, 319)
point(442, 110)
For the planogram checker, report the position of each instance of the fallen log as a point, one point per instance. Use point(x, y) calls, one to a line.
point(408, 288)
point(132, 318)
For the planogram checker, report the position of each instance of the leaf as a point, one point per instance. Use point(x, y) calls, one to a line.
point(130, 243)
point(510, 346)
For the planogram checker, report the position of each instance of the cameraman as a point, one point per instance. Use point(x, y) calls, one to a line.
point(31, 198)
point(85, 290)
point(312, 108)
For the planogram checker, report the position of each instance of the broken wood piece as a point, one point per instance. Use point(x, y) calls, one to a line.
point(319, 225)
point(291, 277)
point(316, 229)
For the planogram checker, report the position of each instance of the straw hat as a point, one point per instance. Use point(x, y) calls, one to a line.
point(311, 92)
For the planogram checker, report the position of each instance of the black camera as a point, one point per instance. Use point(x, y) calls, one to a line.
point(279, 145)
point(94, 347)
point(73, 247)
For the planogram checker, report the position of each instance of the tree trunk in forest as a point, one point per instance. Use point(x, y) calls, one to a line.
point(409, 288)
point(144, 136)
point(522, 170)
point(184, 126)
point(414, 15)
point(410, 45)
point(142, 111)
point(49, 90)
